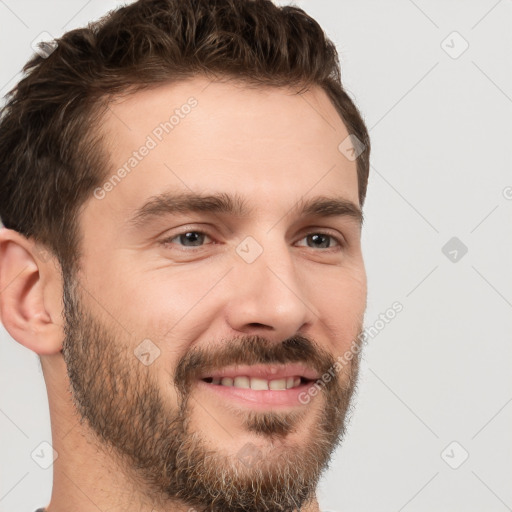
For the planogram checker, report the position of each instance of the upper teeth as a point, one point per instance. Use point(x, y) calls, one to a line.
point(258, 384)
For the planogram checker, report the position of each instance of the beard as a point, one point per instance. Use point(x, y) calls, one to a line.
point(123, 406)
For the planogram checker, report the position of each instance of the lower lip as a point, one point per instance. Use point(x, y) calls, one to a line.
point(261, 399)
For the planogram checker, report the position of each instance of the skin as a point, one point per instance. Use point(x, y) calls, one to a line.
point(272, 148)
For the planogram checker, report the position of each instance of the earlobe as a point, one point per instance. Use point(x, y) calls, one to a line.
point(25, 314)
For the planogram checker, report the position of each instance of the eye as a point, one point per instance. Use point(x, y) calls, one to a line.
point(187, 239)
point(192, 238)
point(322, 240)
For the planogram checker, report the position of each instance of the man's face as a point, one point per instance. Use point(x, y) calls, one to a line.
point(194, 331)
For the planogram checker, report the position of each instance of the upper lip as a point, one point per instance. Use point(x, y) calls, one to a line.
point(264, 371)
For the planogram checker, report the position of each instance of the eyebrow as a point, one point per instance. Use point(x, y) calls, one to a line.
point(169, 203)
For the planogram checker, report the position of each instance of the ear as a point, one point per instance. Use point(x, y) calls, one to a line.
point(30, 293)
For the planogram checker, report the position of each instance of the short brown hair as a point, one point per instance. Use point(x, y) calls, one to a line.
point(51, 157)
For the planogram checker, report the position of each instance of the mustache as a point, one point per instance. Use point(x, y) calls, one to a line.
point(251, 350)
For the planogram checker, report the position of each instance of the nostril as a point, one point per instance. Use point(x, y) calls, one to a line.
point(259, 326)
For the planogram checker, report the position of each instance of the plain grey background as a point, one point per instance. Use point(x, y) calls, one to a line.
point(433, 414)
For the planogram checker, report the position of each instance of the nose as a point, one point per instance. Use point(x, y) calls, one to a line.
point(267, 297)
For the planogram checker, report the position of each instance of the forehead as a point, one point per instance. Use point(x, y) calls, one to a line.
point(267, 145)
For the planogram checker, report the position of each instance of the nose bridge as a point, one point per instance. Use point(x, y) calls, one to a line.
point(267, 291)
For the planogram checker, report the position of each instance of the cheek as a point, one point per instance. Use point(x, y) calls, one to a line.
point(171, 304)
point(342, 289)
point(340, 303)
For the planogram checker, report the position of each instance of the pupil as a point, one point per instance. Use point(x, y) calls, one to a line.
point(193, 237)
point(317, 238)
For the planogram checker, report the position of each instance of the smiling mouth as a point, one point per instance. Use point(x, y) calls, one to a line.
point(261, 377)
point(259, 384)
point(263, 386)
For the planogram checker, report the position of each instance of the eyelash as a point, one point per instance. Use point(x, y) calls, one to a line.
point(168, 240)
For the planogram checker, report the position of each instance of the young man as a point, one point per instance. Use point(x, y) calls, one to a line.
point(181, 187)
